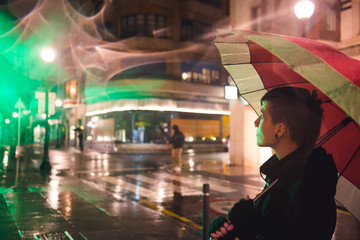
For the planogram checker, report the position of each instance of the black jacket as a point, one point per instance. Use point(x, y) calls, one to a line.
point(301, 204)
point(177, 139)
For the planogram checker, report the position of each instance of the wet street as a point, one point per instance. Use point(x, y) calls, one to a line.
point(94, 195)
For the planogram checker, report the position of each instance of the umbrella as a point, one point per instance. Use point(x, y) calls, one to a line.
point(258, 62)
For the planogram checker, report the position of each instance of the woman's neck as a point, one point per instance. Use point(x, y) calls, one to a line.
point(284, 149)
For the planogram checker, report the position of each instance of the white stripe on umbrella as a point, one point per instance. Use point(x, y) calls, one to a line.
point(345, 193)
point(336, 86)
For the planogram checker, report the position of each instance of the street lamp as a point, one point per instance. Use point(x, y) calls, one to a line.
point(303, 11)
point(47, 55)
point(58, 104)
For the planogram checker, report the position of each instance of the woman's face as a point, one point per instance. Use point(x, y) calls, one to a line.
point(265, 132)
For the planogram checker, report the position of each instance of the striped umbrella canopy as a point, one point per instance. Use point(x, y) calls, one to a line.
point(258, 62)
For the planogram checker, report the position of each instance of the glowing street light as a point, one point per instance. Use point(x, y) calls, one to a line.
point(48, 54)
point(303, 11)
point(58, 103)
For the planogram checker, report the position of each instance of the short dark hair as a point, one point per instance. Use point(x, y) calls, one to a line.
point(176, 128)
point(299, 110)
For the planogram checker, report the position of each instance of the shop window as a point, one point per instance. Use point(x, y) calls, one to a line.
point(199, 130)
point(100, 130)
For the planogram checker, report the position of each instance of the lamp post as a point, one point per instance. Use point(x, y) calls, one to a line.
point(48, 56)
point(58, 104)
point(303, 11)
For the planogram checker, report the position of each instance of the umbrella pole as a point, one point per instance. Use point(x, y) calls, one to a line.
point(348, 163)
point(324, 138)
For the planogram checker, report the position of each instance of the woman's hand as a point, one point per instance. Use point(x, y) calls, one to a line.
point(224, 227)
point(222, 231)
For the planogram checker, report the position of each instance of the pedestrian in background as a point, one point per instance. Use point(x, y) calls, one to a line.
point(177, 140)
point(298, 199)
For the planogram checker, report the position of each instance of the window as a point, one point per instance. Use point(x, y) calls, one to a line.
point(255, 18)
point(330, 20)
point(200, 72)
point(190, 29)
point(143, 25)
point(345, 4)
point(214, 3)
point(71, 89)
point(137, 67)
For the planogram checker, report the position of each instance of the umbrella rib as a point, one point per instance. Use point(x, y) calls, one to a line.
point(280, 85)
point(348, 163)
point(336, 106)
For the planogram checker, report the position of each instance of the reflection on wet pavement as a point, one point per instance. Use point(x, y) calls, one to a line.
point(103, 196)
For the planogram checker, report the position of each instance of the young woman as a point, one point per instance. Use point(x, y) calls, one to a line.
point(298, 198)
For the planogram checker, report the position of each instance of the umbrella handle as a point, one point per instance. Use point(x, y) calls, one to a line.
point(265, 190)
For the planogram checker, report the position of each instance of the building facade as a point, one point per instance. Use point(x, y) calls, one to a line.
point(162, 70)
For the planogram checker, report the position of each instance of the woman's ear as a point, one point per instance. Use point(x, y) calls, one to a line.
point(280, 129)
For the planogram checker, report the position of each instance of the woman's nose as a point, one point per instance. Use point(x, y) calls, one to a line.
point(257, 121)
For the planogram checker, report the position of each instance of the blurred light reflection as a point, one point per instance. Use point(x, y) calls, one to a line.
point(117, 196)
point(6, 159)
point(225, 164)
point(54, 194)
point(137, 192)
point(191, 164)
point(161, 193)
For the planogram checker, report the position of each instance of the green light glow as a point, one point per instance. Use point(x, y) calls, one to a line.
point(22, 69)
point(104, 211)
point(67, 234)
point(82, 235)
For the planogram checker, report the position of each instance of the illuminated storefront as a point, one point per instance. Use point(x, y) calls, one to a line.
point(150, 121)
point(155, 126)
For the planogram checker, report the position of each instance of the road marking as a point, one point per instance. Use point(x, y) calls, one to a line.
point(108, 171)
point(241, 185)
point(134, 188)
point(159, 192)
point(143, 178)
point(198, 181)
point(165, 186)
point(169, 213)
point(148, 194)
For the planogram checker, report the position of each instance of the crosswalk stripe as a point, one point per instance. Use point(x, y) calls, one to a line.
point(134, 188)
point(159, 186)
point(168, 187)
point(143, 178)
point(248, 187)
point(198, 182)
point(162, 191)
